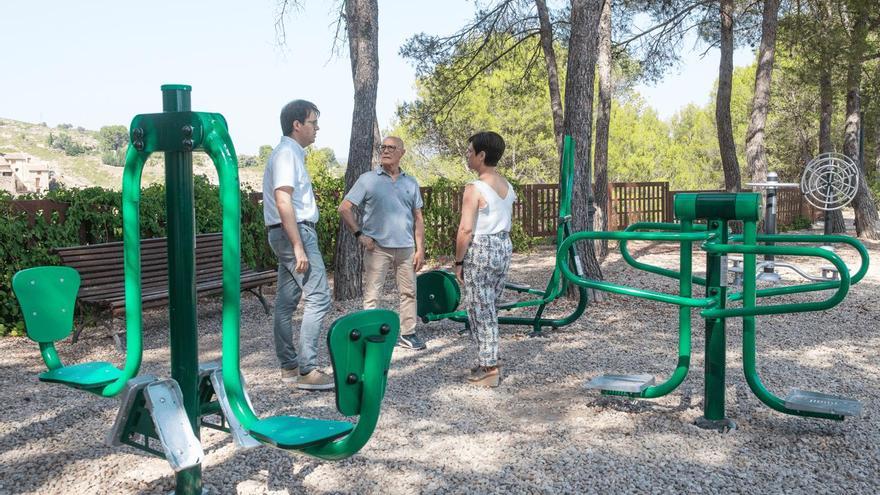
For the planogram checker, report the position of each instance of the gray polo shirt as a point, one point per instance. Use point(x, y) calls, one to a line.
point(387, 206)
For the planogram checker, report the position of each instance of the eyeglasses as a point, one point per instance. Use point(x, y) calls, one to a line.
point(313, 122)
point(387, 147)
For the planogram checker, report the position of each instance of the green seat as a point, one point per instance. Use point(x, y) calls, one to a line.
point(360, 347)
point(84, 376)
point(47, 295)
point(291, 432)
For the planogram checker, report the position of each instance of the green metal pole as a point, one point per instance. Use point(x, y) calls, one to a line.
point(716, 339)
point(181, 277)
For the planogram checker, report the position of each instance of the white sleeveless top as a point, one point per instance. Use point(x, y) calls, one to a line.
point(496, 216)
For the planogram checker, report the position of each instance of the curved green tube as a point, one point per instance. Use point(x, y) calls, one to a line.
point(749, 346)
point(50, 355)
point(826, 239)
point(373, 386)
point(218, 145)
point(751, 250)
point(673, 227)
point(131, 237)
point(685, 288)
point(562, 263)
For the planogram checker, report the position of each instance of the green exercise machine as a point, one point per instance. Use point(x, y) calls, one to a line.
point(438, 294)
point(718, 210)
point(164, 416)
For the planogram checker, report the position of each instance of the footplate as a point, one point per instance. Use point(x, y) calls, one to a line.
point(801, 400)
point(165, 403)
point(621, 383)
point(212, 371)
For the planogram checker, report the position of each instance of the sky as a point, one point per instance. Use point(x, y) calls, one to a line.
point(102, 62)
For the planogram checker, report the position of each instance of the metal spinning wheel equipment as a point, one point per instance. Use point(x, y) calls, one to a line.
point(830, 182)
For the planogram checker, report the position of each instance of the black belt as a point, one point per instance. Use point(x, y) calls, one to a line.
point(304, 222)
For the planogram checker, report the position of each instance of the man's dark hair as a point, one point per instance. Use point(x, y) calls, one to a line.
point(296, 110)
point(490, 142)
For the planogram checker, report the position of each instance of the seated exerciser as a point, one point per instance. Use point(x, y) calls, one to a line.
point(171, 411)
point(438, 294)
point(717, 209)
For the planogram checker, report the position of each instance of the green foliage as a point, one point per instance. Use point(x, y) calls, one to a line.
point(65, 143)
point(506, 98)
point(114, 158)
point(799, 223)
point(246, 161)
point(265, 152)
point(328, 192)
point(322, 161)
point(94, 216)
point(112, 138)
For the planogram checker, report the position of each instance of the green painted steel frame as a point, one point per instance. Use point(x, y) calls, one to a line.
point(718, 209)
point(557, 285)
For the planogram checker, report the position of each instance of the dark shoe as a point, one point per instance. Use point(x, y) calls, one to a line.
point(315, 380)
point(485, 376)
point(411, 341)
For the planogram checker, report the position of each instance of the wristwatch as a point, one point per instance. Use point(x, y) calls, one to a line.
point(459, 263)
point(358, 234)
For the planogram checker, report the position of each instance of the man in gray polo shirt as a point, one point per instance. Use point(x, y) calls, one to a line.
point(393, 233)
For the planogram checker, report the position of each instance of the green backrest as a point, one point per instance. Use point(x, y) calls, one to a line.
point(347, 340)
point(47, 295)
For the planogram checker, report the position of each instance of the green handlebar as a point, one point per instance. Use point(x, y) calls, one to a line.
point(562, 263)
point(671, 227)
point(131, 237)
point(751, 250)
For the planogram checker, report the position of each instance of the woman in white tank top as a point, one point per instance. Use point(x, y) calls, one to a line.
point(483, 250)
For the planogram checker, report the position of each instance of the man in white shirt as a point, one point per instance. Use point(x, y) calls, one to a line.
point(290, 213)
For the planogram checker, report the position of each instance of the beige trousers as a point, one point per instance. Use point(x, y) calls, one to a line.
point(376, 264)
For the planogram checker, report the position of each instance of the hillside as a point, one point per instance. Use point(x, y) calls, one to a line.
point(87, 170)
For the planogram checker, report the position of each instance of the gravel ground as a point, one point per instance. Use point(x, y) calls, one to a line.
point(539, 432)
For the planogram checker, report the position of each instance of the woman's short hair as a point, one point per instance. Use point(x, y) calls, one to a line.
point(490, 142)
point(296, 110)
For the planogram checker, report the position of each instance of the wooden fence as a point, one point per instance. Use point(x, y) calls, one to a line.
point(537, 206)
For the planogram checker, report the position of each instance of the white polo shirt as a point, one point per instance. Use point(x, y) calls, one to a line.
point(287, 167)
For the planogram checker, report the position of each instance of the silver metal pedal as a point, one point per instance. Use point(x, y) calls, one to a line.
point(241, 437)
point(621, 383)
point(165, 403)
point(801, 400)
point(129, 394)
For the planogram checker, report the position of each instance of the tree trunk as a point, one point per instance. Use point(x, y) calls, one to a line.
point(362, 25)
point(578, 120)
point(826, 108)
point(867, 219)
point(826, 111)
point(552, 72)
point(756, 155)
point(603, 121)
point(723, 122)
point(877, 146)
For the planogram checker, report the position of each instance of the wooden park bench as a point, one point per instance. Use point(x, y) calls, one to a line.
point(103, 282)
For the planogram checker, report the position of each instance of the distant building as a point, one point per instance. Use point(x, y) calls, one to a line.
point(23, 173)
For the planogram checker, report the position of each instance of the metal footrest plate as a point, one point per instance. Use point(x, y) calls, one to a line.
point(622, 383)
point(801, 400)
point(165, 403)
point(240, 436)
point(126, 404)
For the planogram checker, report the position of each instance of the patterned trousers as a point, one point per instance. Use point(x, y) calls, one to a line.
point(485, 269)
